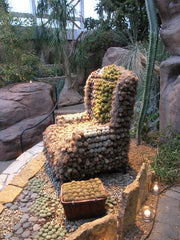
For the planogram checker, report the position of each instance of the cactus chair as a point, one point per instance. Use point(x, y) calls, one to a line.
point(82, 145)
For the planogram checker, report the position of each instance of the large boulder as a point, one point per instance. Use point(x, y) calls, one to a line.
point(22, 106)
point(170, 30)
point(122, 57)
point(170, 94)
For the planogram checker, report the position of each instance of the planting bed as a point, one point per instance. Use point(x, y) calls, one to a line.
point(38, 207)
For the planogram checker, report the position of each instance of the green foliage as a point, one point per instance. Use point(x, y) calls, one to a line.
point(91, 23)
point(17, 60)
point(54, 33)
point(104, 93)
point(167, 162)
point(91, 49)
point(50, 70)
point(161, 52)
point(123, 15)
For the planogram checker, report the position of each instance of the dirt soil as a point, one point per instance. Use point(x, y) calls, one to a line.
point(140, 154)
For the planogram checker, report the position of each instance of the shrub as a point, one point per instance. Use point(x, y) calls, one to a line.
point(167, 162)
point(18, 62)
point(50, 70)
point(25, 70)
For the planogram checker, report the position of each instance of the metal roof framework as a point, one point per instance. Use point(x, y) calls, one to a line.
point(78, 23)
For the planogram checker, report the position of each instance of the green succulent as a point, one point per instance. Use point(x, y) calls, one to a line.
point(49, 231)
point(82, 190)
point(35, 185)
point(104, 93)
point(44, 206)
point(111, 73)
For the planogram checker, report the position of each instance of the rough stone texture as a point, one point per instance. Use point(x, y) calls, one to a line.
point(69, 96)
point(2, 207)
point(170, 97)
point(115, 55)
point(170, 69)
point(29, 171)
point(103, 228)
point(9, 194)
point(170, 30)
point(130, 196)
point(121, 57)
point(134, 197)
point(21, 106)
point(142, 178)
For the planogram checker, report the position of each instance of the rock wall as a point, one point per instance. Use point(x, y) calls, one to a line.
point(170, 94)
point(170, 69)
point(22, 106)
point(170, 31)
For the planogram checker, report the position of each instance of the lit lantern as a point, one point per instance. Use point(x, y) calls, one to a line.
point(147, 215)
point(156, 189)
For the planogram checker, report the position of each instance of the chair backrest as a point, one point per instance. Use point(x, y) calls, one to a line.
point(111, 100)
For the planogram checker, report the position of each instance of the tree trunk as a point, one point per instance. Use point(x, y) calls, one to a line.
point(68, 95)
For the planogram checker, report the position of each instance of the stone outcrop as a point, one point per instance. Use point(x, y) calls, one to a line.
point(121, 57)
point(131, 196)
point(103, 228)
point(134, 196)
point(170, 31)
point(115, 55)
point(170, 94)
point(22, 106)
point(170, 69)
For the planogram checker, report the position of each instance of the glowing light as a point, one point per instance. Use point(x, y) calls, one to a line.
point(156, 189)
point(147, 215)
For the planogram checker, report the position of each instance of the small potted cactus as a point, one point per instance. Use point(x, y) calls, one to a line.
point(83, 199)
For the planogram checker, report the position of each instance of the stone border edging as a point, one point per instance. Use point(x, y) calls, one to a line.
point(15, 187)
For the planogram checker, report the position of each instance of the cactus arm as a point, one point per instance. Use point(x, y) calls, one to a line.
point(153, 34)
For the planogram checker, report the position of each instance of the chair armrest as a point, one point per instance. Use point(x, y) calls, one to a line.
point(72, 118)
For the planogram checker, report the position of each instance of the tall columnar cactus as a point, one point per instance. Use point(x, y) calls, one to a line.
point(153, 34)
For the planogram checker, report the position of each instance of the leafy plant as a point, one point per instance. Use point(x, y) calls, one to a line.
point(50, 70)
point(123, 15)
point(18, 62)
point(55, 33)
point(167, 162)
point(91, 49)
